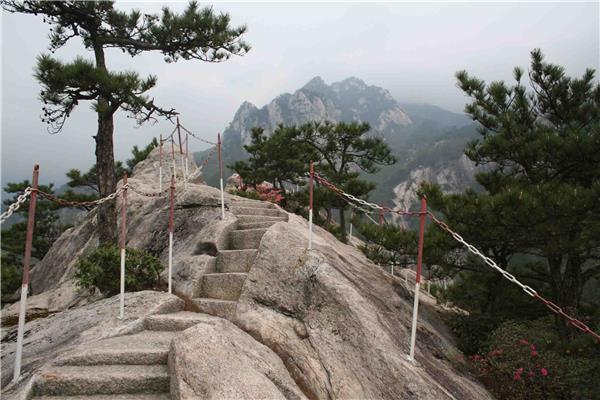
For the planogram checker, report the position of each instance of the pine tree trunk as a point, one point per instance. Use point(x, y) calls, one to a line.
point(107, 182)
point(105, 161)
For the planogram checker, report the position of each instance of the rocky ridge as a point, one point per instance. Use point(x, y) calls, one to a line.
point(320, 324)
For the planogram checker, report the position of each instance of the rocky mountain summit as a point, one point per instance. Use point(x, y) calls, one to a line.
point(414, 132)
point(254, 314)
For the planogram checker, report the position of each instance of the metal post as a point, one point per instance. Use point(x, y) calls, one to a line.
point(221, 175)
point(392, 269)
point(122, 242)
point(187, 154)
point(413, 335)
point(381, 217)
point(310, 204)
point(180, 149)
point(25, 282)
point(351, 216)
point(173, 156)
point(171, 211)
point(160, 165)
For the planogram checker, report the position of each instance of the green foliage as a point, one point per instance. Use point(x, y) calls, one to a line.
point(140, 155)
point(195, 34)
point(523, 361)
point(538, 216)
point(101, 269)
point(278, 159)
point(47, 229)
point(388, 243)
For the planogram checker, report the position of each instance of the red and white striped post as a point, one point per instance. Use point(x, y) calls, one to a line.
point(413, 335)
point(181, 149)
point(221, 175)
point(173, 156)
point(171, 211)
point(187, 154)
point(25, 284)
point(160, 165)
point(310, 204)
point(122, 245)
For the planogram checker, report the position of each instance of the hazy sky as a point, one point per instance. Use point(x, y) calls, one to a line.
point(412, 49)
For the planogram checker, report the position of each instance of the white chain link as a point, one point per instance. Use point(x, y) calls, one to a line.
point(15, 206)
point(527, 289)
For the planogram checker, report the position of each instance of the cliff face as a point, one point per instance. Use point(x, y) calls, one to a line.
point(324, 324)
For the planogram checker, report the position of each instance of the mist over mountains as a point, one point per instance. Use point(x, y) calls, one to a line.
point(427, 140)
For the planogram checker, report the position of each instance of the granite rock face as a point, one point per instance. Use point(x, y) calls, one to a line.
point(216, 360)
point(323, 324)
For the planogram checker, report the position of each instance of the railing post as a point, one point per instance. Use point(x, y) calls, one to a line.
point(413, 335)
point(351, 216)
point(181, 150)
point(25, 282)
point(221, 175)
point(122, 243)
point(173, 156)
point(171, 218)
point(160, 165)
point(381, 217)
point(187, 154)
point(310, 204)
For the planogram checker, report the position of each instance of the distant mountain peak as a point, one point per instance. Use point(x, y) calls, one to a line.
point(316, 84)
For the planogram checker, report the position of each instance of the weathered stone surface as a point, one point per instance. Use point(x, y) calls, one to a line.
point(216, 360)
point(48, 338)
point(341, 325)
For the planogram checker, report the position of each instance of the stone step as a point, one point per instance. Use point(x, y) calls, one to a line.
point(252, 203)
point(256, 225)
point(246, 239)
point(218, 308)
point(249, 219)
point(143, 348)
point(102, 379)
point(178, 321)
point(272, 212)
point(223, 286)
point(143, 396)
point(235, 260)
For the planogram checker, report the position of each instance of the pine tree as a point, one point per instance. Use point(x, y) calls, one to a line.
point(541, 149)
point(196, 34)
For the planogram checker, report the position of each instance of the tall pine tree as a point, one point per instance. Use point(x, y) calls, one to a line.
point(196, 34)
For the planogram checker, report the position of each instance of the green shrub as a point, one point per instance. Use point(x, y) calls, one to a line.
point(101, 269)
point(524, 360)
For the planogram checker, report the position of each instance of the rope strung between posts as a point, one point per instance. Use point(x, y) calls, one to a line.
point(507, 275)
point(197, 137)
point(15, 206)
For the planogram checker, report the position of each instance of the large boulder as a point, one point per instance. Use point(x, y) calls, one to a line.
point(341, 325)
point(216, 360)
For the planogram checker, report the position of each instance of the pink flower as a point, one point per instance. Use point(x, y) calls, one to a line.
point(523, 341)
point(534, 353)
point(517, 377)
point(544, 372)
point(519, 371)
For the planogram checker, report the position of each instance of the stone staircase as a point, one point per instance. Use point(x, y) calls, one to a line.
point(220, 289)
point(131, 366)
point(134, 366)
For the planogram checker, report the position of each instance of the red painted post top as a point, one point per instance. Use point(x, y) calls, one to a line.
point(161, 150)
point(219, 151)
point(179, 134)
point(30, 225)
point(422, 216)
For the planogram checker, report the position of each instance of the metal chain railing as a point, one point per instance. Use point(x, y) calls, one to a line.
point(527, 289)
point(91, 203)
point(196, 137)
point(350, 198)
point(15, 206)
